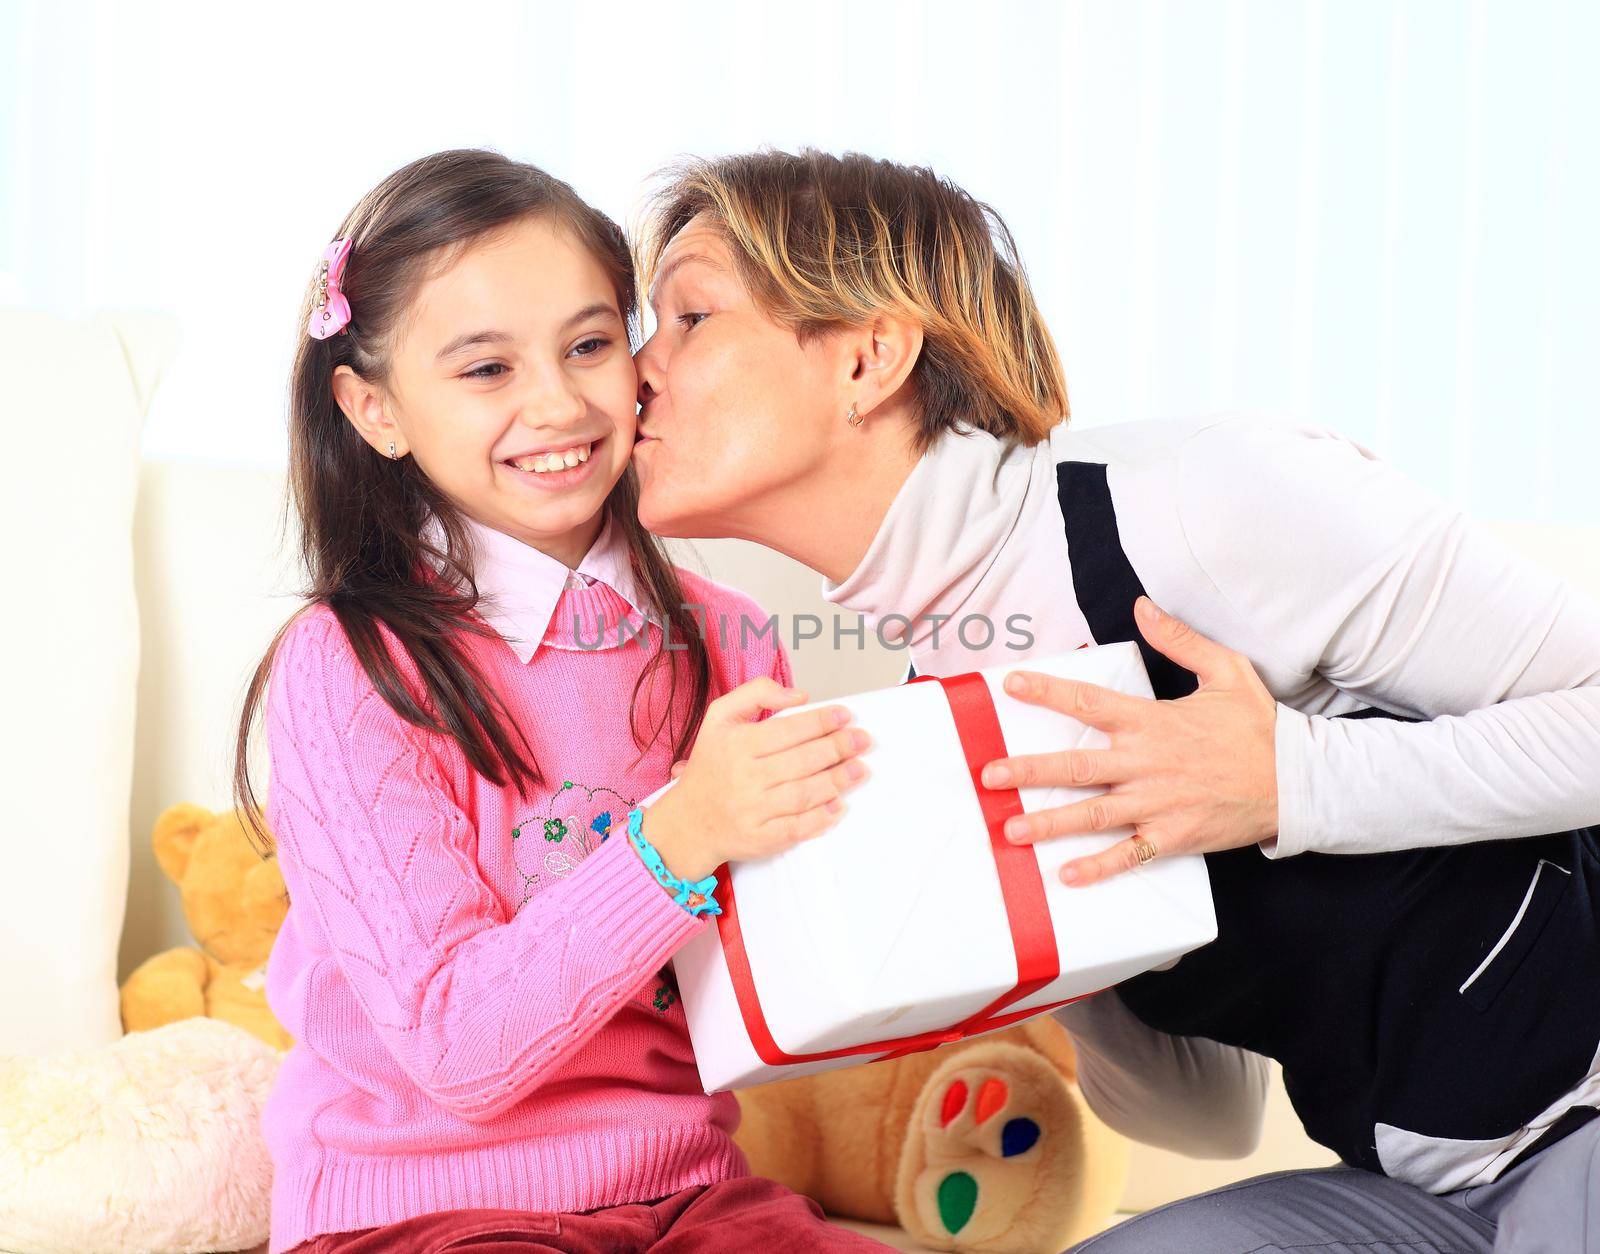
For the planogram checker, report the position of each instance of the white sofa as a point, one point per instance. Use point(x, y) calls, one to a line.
point(213, 578)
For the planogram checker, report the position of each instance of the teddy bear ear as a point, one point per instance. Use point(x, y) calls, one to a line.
point(263, 893)
point(174, 836)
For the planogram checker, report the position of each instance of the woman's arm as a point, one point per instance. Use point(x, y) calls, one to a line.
point(1182, 1093)
point(477, 1008)
point(1343, 567)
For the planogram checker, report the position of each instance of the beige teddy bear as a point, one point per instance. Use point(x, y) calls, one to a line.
point(235, 901)
point(980, 1145)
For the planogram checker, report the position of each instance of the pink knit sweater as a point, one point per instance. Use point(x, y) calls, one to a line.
point(472, 977)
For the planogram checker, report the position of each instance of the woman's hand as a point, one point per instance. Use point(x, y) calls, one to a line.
point(750, 789)
point(1194, 775)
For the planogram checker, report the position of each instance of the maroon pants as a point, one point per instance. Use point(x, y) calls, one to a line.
point(747, 1213)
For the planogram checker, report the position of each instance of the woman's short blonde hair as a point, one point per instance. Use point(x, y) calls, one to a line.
point(824, 242)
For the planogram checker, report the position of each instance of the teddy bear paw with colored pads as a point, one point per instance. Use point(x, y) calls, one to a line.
point(1003, 1157)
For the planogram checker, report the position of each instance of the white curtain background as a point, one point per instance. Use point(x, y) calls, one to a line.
point(1378, 216)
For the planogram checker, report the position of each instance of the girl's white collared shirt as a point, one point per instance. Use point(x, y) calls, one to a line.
point(520, 589)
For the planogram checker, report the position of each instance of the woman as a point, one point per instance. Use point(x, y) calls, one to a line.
point(849, 368)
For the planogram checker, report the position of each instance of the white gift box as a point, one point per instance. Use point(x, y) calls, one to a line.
point(893, 923)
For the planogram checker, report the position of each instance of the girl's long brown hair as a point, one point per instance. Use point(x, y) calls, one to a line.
point(362, 514)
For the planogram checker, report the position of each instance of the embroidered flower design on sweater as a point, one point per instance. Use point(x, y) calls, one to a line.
point(566, 837)
point(666, 993)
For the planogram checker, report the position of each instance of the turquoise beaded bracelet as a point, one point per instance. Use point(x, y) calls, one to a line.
point(696, 898)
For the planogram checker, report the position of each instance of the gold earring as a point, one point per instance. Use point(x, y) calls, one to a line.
point(852, 417)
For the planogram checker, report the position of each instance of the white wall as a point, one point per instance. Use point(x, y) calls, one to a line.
point(1373, 212)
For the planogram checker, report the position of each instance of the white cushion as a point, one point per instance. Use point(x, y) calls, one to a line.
point(151, 1143)
point(74, 393)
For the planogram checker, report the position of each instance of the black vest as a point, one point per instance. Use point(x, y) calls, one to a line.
point(1349, 969)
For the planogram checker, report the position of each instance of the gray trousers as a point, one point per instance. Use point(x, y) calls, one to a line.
point(1550, 1204)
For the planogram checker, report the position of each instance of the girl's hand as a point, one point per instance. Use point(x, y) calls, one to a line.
point(750, 788)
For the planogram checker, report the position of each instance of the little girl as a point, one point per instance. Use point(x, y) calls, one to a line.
point(487, 1046)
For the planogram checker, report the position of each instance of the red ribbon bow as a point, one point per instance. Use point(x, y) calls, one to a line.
point(1032, 934)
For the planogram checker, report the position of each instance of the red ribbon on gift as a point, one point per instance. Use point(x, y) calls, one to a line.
point(1032, 935)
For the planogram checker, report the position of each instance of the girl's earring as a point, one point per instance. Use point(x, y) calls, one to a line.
point(392, 453)
point(854, 419)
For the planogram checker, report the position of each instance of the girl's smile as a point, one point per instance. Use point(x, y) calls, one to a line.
point(537, 472)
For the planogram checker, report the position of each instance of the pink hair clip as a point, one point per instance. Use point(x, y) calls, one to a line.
point(332, 311)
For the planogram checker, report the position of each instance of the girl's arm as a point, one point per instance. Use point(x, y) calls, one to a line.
point(1340, 566)
point(475, 1006)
